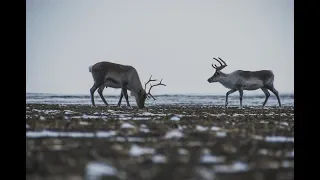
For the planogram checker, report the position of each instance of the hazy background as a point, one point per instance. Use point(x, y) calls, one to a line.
point(170, 39)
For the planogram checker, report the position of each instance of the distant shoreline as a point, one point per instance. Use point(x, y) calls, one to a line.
point(173, 94)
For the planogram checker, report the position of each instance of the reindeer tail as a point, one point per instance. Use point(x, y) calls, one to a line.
point(90, 69)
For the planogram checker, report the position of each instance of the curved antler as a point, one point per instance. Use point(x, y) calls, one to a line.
point(223, 61)
point(145, 86)
point(151, 86)
point(218, 68)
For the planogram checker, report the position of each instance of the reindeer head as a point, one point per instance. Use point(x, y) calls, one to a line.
point(217, 75)
point(143, 94)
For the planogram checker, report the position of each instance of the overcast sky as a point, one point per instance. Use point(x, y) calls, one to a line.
point(170, 39)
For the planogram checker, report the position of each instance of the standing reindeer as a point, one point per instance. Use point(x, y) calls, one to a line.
point(108, 74)
point(240, 80)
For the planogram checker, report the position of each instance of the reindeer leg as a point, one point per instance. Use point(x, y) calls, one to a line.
point(241, 94)
point(228, 93)
point(92, 90)
point(125, 93)
point(121, 96)
point(275, 92)
point(266, 92)
point(100, 90)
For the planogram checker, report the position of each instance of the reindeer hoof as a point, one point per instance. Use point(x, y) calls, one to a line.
point(240, 107)
point(129, 107)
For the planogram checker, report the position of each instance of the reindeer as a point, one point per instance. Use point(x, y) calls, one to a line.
point(240, 80)
point(124, 77)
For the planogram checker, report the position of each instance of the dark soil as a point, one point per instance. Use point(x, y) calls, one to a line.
point(238, 135)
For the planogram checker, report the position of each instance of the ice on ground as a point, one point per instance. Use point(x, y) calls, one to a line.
point(144, 128)
point(238, 114)
point(27, 126)
point(50, 111)
point(138, 151)
point(127, 126)
point(279, 139)
point(111, 111)
point(45, 133)
point(201, 128)
point(105, 134)
point(250, 114)
point(159, 158)
point(42, 118)
point(83, 123)
point(96, 170)
point(284, 124)
point(217, 115)
point(257, 137)
point(46, 111)
point(180, 115)
point(69, 112)
point(221, 134)
point(183, 151)
point(147, 114)
point(263, 151)
point(100, 114)
point(173, 134)
point(141, 118)
point(190, 115)
point(151, 114)
point(175, 118)
point(284, 114)
point(130, 139)
point(123, 118)
point(232, 168)
point(88, 117)
point(287, 164)
point(208, 158)
point(206, 151)
point(215, 128)
point(133, 118)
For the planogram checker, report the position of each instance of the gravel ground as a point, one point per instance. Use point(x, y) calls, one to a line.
point(162, 142)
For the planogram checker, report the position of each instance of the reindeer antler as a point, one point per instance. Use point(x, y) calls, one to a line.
point(151, 86)
point(145, 86)
point(221, 65)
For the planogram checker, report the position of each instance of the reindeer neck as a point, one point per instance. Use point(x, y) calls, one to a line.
point(226, 80)
point(134, 82)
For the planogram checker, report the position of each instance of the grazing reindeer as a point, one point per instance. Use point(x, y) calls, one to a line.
point(240, 80)
point(108, 74)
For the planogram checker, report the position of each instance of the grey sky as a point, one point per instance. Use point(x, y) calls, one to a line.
point(170, 39)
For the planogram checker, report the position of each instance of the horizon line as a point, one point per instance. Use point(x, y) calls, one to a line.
point(163, 94)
